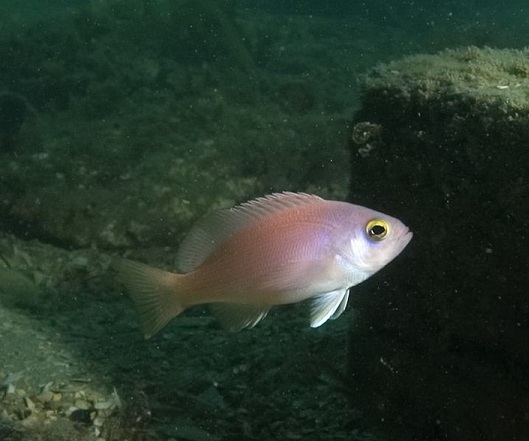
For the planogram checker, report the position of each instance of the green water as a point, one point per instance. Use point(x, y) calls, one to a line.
point(122, 123)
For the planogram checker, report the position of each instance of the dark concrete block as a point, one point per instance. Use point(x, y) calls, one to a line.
point(442, 352)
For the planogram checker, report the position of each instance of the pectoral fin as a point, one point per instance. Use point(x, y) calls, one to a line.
point(341, 306)
point(327, 306)
point(236, 316)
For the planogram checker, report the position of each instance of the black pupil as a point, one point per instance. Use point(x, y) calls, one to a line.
point(377, 230)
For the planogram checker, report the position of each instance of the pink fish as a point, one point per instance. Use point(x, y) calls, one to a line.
point(274, 250)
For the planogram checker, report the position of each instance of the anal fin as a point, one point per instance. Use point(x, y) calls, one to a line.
point(237, 316)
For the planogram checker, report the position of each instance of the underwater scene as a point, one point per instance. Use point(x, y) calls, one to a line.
point(231, 220)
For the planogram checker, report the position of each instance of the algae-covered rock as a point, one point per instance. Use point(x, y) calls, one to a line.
point(149, 118)
point(18, 290)
point(442, 351)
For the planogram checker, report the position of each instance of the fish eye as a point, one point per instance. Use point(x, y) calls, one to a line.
point(377, 229)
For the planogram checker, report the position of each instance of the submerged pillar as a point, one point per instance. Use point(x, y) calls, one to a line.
point(440, 347)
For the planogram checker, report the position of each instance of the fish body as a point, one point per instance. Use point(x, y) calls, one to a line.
point(279, 249)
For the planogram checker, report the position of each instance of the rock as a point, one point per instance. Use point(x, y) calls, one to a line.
point(15, 111)
point(441, 351)
point(18, 290)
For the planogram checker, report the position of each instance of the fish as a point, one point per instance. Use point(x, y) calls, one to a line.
point(278, 249)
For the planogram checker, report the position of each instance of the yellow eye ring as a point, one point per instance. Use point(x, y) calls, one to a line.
point(377, 230)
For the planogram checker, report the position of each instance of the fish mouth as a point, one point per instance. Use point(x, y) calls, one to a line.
point(406, 237)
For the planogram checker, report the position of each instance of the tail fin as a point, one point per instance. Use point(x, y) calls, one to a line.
point(153, 293)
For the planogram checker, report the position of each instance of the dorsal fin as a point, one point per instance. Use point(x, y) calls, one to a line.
point(214, 228)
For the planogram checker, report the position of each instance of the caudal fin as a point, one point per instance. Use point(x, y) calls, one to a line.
point(153, 292)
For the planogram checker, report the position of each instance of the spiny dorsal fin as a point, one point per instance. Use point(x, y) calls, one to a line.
point(213, 229)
